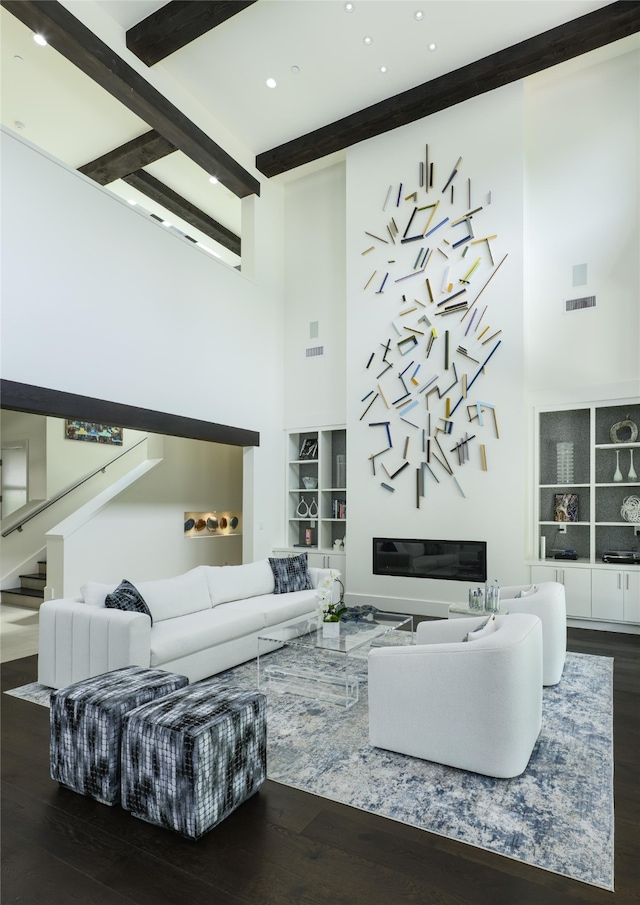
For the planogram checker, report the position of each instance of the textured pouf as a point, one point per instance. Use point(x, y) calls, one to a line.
point(86, 726)
point(190, 759)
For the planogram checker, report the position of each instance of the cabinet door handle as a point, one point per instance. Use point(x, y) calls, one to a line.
point(626, 582)
point(619, 581)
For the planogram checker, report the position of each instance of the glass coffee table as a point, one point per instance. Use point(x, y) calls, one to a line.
point(322, 667)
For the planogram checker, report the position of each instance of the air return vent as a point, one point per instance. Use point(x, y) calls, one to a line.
point(589, 301)
point(314, 351)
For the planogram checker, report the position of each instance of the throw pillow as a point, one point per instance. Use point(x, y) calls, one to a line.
point(290, 573)
point(128, 598)
point(485, 628)
point(527, 592)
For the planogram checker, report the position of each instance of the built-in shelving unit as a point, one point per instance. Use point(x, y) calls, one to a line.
point(581, 466)
point(316, 503)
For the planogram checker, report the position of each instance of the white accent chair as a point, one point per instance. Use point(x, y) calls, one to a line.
point(474, 705)
point(546, 601)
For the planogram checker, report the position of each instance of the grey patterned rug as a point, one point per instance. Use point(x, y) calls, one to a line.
point(557, 816)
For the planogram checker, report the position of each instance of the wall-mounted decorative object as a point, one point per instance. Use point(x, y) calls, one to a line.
point(93, 432)
point(421, 374)
point(625, 431)
point(565, 507)
point(216, 523)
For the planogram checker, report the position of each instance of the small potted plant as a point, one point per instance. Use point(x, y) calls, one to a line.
point(330, 611)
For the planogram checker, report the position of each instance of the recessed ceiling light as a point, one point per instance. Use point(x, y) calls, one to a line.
point(367, 40)
point(17, 59)
point(432, 47)
point(19, 125)
point(271, 83)
point(295, 70)
point(348, 7)
point(40, 40)
point(131, 202)
point(166, 223)
point(383, 69)
point(418, 15)
point(213, 180)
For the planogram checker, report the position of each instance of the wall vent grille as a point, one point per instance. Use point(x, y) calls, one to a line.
point(589, 301)
point(314, 351)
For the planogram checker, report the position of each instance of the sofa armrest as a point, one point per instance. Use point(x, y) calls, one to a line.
point(443, 631)
point(77, 641)
point(318, 576)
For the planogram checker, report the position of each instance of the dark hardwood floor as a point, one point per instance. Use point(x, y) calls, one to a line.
point(282, 846)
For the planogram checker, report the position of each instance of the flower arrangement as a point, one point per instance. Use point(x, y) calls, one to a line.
point(329, 610)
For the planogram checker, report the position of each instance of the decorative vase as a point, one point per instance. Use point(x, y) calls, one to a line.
point(331, 629)
point(303, 509)
point(618, 474)
point(632, 476)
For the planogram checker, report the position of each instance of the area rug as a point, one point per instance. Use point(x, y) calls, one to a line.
point(557, 816)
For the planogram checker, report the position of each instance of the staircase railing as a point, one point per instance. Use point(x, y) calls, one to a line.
point(20, 523)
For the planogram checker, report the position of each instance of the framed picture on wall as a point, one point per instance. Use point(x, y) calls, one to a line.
point(92, 432)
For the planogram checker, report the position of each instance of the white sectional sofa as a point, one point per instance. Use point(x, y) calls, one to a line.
point(203, 622)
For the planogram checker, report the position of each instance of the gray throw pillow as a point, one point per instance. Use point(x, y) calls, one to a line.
point(290, 573)
point(128, 598)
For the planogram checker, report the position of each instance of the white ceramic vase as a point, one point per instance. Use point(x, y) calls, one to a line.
point(618, 474)
point(632, 476)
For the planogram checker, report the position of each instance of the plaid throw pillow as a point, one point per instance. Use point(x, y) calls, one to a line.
point(290, 573)
point(127, 597)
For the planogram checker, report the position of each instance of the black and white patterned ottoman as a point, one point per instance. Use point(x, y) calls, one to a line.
point(86, 726)
point(192, 758)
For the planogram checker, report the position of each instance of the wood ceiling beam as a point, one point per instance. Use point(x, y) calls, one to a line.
point(160, 193)
point(132, 156)
point(80, 46)
point(35, 400)
point(176, 24)
point(586, 33)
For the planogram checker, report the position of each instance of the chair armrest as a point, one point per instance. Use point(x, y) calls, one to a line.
point(77, 641)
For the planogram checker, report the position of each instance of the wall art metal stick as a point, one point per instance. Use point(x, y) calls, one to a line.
point(422, 380)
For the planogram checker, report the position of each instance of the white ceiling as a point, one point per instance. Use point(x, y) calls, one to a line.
point(225, 70)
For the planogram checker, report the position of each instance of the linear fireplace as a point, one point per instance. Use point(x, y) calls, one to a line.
point(451, 560)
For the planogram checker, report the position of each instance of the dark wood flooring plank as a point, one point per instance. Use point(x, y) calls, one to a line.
point(30, 876)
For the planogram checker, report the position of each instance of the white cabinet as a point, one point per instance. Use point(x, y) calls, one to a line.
point(577, 587)
point(615, 595)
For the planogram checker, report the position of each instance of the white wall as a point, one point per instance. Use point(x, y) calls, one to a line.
point(68, 461)
point(583, 207)
point(32, 428)
point(315, 293)
point(140, 535)
point(101, 301)
point(488, 133)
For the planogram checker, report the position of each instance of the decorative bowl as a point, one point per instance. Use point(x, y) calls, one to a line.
point(310, 483)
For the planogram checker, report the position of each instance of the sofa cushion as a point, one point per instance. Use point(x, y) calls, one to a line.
point(128, 598)
point(166, 598)
point(280, 607)
point(290, 573)
point(227, 583)
point(175, 638)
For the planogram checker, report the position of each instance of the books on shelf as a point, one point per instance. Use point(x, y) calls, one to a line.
point(339, 509)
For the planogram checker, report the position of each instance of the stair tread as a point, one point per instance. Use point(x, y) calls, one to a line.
point(24, 592)
point(37, 575)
